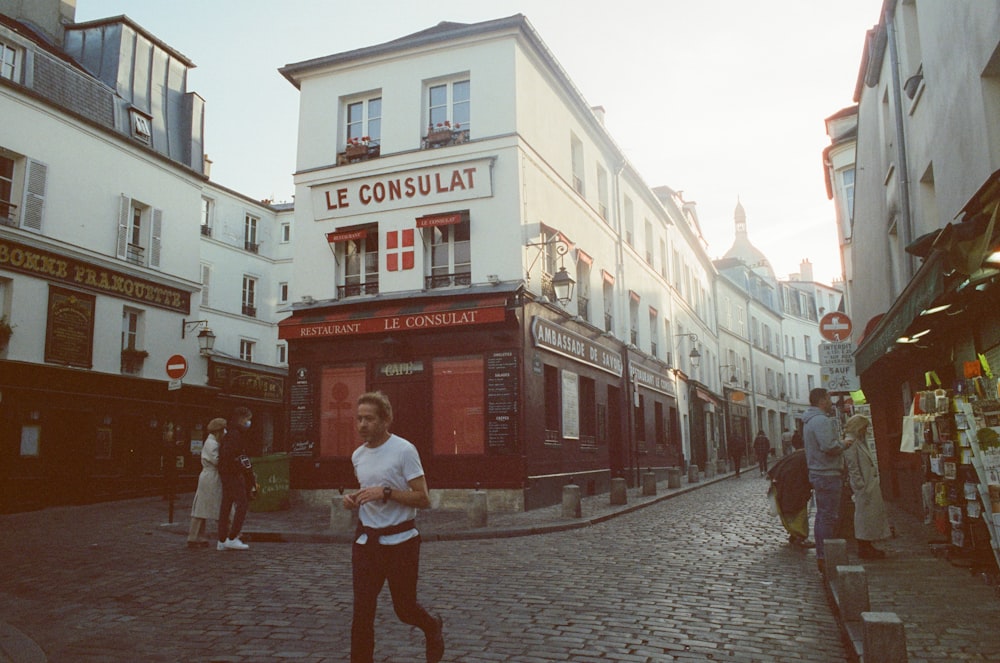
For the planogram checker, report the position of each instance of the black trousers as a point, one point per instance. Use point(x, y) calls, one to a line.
point(234, 492)
point(373, 565)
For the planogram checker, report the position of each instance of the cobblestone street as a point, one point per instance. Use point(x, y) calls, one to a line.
point(704, 576)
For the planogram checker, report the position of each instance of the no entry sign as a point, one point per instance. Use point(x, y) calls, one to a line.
point(835, 326)
point(177, 367)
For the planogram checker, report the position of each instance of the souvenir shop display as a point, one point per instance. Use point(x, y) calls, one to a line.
point(958, 433)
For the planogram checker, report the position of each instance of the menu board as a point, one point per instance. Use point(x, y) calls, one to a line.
point(301, 409)
point(501, 400)
point(69, 332)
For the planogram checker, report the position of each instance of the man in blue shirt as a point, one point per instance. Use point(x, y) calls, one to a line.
point(824, 455)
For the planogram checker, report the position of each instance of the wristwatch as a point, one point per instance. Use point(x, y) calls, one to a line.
point(386, 494)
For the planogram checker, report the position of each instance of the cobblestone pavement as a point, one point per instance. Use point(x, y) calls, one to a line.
point(705, 575)
point(693, 574)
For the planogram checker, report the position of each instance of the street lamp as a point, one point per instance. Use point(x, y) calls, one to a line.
point(206, 337)
point(562, 282)
point(694, 355)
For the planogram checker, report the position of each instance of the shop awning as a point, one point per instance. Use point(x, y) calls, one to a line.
point(402, 316)
point(347, 234)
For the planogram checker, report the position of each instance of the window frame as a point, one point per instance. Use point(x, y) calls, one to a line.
point(249, 295)
point(450, 111)
point(16, 57)
point(446, 273)
point(368, 125)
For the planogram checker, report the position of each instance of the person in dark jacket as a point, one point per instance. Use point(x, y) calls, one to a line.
point(235, 487)
point(791, 491)
point(761, 449)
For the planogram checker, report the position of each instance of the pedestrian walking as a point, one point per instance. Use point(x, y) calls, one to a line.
point(824, 454)
point(233, 469)
point(870, 520)
point(208, 495)
point(387, 544)
point(791, 491)
point(761, 449)
point(736, 455)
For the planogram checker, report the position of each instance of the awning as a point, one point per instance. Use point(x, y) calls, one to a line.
point(401, 317)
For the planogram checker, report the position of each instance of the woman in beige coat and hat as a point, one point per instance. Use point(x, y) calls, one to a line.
point(870, 520)
point(208, 497)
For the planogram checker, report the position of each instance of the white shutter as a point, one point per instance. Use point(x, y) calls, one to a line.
point(34, 195)
point(154, 238)
point(123, 210)
point(206, 274)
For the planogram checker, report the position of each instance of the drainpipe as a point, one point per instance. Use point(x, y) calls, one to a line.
point(901, 164)
point(631, 444)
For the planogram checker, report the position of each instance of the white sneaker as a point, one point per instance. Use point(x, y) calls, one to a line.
point(220, 546)
point(235, 544)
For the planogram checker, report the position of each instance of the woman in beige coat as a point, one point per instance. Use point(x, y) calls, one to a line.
point(870, 520)
point(208, 497)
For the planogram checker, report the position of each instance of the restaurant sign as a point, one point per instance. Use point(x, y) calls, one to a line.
point(554, 338)
point(449, 182)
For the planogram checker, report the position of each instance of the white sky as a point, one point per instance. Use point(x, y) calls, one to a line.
point(721, 99)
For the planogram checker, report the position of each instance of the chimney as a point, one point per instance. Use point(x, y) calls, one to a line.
point(806, 268)
point(46, 16)
point(598, 112)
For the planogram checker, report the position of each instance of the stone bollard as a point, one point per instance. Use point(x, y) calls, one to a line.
point(884, 637)
point(834, 554)
point(571, 501)
point(852, 593)
point(648, 484)
point(673, 477)
point(619, 493)
point(693, 473)
point(710, 470)
point(342, 521)
point(477, 509)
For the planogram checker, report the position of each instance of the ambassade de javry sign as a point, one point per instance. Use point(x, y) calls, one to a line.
point(449, 182)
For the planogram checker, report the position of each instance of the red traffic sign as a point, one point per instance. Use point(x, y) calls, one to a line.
point(835, 326)
point(177, 367)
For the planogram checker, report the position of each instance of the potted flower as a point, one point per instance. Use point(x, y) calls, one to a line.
point(357, 147)
point(132, 359)
point(441, 134)
point(6, 331)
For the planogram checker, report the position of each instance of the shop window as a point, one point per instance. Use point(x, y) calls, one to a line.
point(459, 398)
point(340, 388)
point(588, 414)
point(139, 229)
point(553, 410)
point(451, 254)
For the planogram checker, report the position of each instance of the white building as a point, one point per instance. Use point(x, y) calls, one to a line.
point(101, 186)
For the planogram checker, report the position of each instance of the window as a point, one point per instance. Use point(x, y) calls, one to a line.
point(663, 259)
point(847, 177)
point(142, 126)
point(811, 382)
point(250, 296)
point(609, 307)
point(246, 349)
point(459, 394)
point(451, 254)
point(206, 276)
point(339, 391)
point(130, 329)
point(207, 204)
point(361, 265)
point(583, 289)
point(9, 62)
point(139, 228)
point(807, 345)
point(450, 102)
point(364, 119)
point(648, 227)
point(602, 193)
point(8, 209)
point(654, 330)
point(282, 293)
point(633, 318)
point(250, 233)
point(629, 223)
point(576, 155)
point(281, 353)
point(286, 233)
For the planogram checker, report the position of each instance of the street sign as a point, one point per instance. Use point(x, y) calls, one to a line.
point(177, 367)
point(836, 361)
point(835, 326)
point(173, 385)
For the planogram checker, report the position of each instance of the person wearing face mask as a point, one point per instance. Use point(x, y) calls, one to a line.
point(825, 457)
point(208, 497)
point(235, 490)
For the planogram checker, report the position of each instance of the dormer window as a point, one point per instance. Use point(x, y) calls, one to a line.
point(142, 126)
point(10, 62)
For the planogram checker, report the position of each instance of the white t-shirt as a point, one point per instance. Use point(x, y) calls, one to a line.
point(394, 463)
